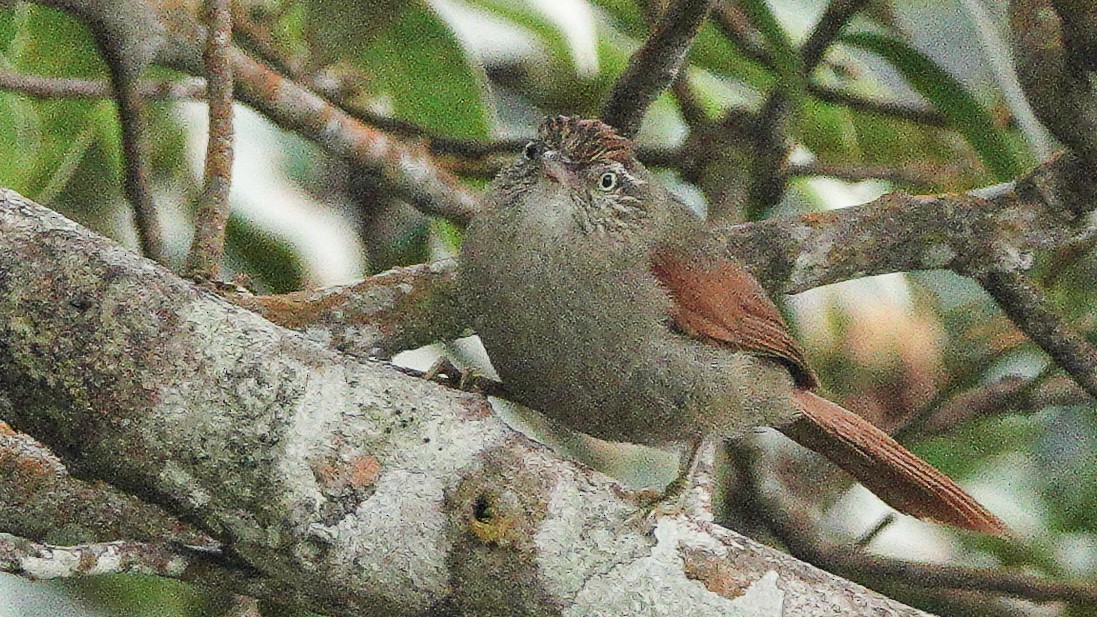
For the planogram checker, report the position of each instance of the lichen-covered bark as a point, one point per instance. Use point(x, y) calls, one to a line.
point(999, 228)
point(359, 489)
point(41, 501)
point(400, 309)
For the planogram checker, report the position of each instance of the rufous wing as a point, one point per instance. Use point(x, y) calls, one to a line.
point(720, 301)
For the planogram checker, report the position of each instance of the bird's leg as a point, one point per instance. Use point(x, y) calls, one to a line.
point(689, 459)
point(673, 499)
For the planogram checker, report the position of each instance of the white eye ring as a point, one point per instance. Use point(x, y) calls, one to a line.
point(608, 181)
point(531, 150)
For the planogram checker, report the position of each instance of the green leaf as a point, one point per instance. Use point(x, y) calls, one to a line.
point(785, 56)
point(949, 96)
point(270, 261)
point(411, 59)
point(710, 50)
point(522, 14)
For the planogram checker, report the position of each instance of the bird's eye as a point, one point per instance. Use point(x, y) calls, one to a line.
point(532, 150)
point(608, 181)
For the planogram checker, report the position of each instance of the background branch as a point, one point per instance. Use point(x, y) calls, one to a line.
point(42, 87)
point(655, 65)
point(1028, 308)
point(212, 217)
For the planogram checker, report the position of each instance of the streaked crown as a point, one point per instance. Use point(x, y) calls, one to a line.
point(584, 141)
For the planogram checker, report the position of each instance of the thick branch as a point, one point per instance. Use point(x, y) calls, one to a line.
point(362, 491)
point(39, 499)
point(1000, 228)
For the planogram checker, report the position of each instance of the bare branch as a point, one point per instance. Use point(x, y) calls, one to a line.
point(72, 88)
point(400, 309)
point(406, 170)
point(38, 497)
point(208, 246)
point(918, 114)
point(1027, 306)
point(795, 527)
point(43, 561)
point(655, 65)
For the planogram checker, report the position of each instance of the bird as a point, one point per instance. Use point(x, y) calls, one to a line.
point(604, 303)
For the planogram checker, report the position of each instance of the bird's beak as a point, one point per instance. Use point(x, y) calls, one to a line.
point(554, 169)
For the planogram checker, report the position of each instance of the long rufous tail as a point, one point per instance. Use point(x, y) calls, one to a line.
point(893, 473)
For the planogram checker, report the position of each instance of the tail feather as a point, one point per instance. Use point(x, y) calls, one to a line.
point(889, 470)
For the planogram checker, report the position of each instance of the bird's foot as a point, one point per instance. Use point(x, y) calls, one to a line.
point(654, 504)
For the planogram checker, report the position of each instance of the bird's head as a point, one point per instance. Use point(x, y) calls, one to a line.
point(579, 175)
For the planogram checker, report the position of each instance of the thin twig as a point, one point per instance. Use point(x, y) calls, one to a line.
point(857, 173)
point(208, 246)
point(655, 65)
point(866, 538)
point(836, 16)
point(914, 113)
point(41, 87)
point(131, 117)
point(1028, 307)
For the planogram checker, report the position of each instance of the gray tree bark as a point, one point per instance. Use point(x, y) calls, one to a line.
point(350, 487)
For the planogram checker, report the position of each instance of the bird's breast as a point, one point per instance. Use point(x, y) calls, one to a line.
point(577, 334)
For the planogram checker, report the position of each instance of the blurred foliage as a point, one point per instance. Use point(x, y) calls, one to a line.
point(483, 69)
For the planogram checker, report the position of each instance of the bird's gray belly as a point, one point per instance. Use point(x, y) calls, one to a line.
point(599, 362)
